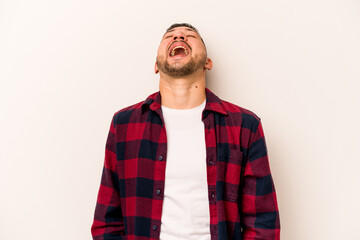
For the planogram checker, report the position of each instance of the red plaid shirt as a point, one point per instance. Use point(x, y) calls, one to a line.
point(241, 193)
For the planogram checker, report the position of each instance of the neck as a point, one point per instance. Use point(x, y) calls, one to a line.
point(182, 93)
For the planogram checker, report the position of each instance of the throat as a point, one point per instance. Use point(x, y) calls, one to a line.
point(180, 52)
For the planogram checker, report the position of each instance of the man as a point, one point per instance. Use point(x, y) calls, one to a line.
point(184, 164)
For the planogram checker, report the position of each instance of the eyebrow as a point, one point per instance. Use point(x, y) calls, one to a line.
point(188, 29)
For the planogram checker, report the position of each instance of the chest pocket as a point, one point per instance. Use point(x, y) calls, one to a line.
point(229, 172)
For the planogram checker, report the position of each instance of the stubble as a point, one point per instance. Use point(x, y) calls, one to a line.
point(178, 69)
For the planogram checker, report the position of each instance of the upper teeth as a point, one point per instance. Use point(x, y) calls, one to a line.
point(173, 51)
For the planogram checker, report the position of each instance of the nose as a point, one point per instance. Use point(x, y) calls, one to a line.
point(179, 36)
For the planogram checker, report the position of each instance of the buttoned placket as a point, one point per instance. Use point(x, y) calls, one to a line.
point(159, 173)
point(208, 120)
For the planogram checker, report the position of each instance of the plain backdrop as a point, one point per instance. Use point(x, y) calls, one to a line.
point(67, 66)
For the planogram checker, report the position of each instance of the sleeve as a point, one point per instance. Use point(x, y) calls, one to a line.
point(260, 214)
point(108, 219)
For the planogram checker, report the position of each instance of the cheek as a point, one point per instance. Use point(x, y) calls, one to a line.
point(200, 51)
point(198, 47)
point(161, 50)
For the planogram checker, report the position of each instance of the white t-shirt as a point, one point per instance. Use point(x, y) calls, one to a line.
point(185, 213)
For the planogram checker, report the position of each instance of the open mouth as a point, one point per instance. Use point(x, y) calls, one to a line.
point(179, 50)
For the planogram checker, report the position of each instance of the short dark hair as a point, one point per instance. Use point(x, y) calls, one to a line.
point(175, 25)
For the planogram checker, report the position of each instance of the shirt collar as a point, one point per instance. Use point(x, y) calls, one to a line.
point(213, 102)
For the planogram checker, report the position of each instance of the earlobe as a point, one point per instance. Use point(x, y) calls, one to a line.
point(208, 64)
point(156, 69)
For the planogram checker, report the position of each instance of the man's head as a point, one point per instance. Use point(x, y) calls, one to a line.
point(182, 52)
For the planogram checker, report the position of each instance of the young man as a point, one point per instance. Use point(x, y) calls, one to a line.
point(184, 164)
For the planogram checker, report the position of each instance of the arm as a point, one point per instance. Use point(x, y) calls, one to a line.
point(260, 215)
point(108, 220)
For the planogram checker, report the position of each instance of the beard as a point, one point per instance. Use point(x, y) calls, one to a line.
point(179, 69)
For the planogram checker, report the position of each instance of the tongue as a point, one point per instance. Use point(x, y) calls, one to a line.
point(180, 52)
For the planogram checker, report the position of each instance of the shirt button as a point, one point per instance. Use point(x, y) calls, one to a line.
point(210, 162)
point(213, 195)
point(154, 227)
point(158, 193)
point(160, 158)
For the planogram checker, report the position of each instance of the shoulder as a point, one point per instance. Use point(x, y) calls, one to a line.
point(235, 115)
point(134, 112)
point(241, 116)
point(123, 115)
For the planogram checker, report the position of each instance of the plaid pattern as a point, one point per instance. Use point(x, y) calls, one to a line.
point(241, 193)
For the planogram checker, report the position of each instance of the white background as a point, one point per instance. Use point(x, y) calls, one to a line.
point(67, 66)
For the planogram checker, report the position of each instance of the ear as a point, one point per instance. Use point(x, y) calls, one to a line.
point(208, 64)
point(156, 68)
